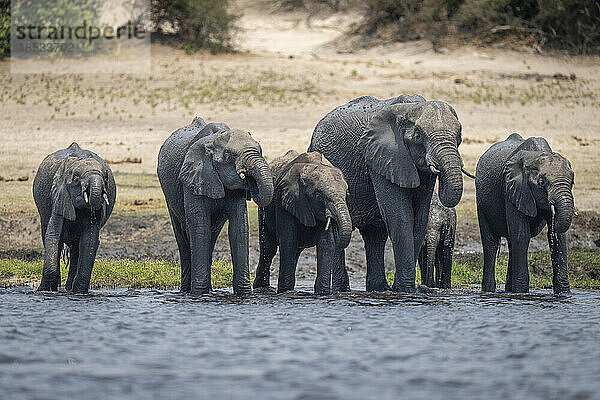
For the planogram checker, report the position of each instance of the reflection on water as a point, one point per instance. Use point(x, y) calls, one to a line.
point(160, 344)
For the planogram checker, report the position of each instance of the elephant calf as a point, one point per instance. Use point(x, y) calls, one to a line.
point(435, 258)
point(74, 191)
point(522, 185)
point(207, 172)
point(309, 208)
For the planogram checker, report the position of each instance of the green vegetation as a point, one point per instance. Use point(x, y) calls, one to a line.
point(584, 270)
point(4, 28)
point(146, 273)
point(196, 23)
point(564, 24)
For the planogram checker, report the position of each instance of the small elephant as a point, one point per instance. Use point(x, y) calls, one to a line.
point(391, 153)
point(207, 172)
point(522, 185)
point(74, 191)
point(309, 208)
point(435, 258)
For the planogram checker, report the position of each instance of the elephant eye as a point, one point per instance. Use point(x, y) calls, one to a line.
point(76, 179)
point(542, 181)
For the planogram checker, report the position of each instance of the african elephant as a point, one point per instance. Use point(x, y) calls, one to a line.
point(207, 172)
point(308, 208)
point(522, 185)
point(435, 258)
point(74, 191)
point(391, 152)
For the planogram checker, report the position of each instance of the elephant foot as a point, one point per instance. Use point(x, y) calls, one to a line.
point(488, 288)
point(200, 291)
point(242, 291)
point(378, 286)
point(562, 291)
point(47, 287)
point(265, 290)
point(260, 283)
point(424, 289)
point(340, 289)
point(322, 291)
point(404, 288)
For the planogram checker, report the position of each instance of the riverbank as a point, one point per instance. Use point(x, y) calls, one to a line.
point(584, 272)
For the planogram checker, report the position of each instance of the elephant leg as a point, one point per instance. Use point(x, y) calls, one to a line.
point(52, 246)
point(325, 256)
point(422, 261)
point(339, 280)
point(237, 213)
point(89, 241)
point(509, 271)
point(396, 207)
point(288, 250)
point(198, 221)
point(518, 245)
point(444, 279)
point(428, 279)
point(185, 256)
point(558, 253)
point(421, 204)
point(375, 239)
point(268, 249)
point(490, 242)
point(73, 264)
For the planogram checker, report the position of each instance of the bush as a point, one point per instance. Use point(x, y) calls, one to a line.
point(196, 23)
point(561, 24)
point(4, 28)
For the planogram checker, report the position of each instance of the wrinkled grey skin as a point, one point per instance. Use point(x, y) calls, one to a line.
point(391, 152)
point(207, 172)
point(74, 191)
point(517, 183)
point(435, 259)
point(308, 191)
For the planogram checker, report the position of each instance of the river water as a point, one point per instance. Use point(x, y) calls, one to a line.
point(145, 344)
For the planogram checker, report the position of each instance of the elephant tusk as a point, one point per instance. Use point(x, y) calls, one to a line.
point(85, 197)
point(328, 223)
point(467, 173)
point(105, 199)
point(434, 170)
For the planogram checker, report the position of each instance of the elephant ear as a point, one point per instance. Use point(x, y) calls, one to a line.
point(293, 196)
point(384, 150)
point(517, 188)
point(61, 200)
point(198, 173)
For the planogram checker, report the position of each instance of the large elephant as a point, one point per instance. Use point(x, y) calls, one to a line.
point(522, 185)
point(207, 172)
point(308, 208)
point(435, 259)
point(391, 152)
point(74, 191)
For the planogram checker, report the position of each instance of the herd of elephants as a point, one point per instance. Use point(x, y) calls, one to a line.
point(372, 164)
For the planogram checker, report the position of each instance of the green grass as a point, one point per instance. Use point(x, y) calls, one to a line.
point(584, 270)
point(145, 273)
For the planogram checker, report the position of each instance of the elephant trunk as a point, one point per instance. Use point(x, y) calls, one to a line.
point(95, 186)
point(340, 213)
point(260, 172)
point(561, 197)
point(445, 156)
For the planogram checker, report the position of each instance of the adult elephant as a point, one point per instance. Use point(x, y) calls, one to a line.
point(308, 209)
point(390, 152)
point(207, 172)
point(522, 185)
point(74, 191)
